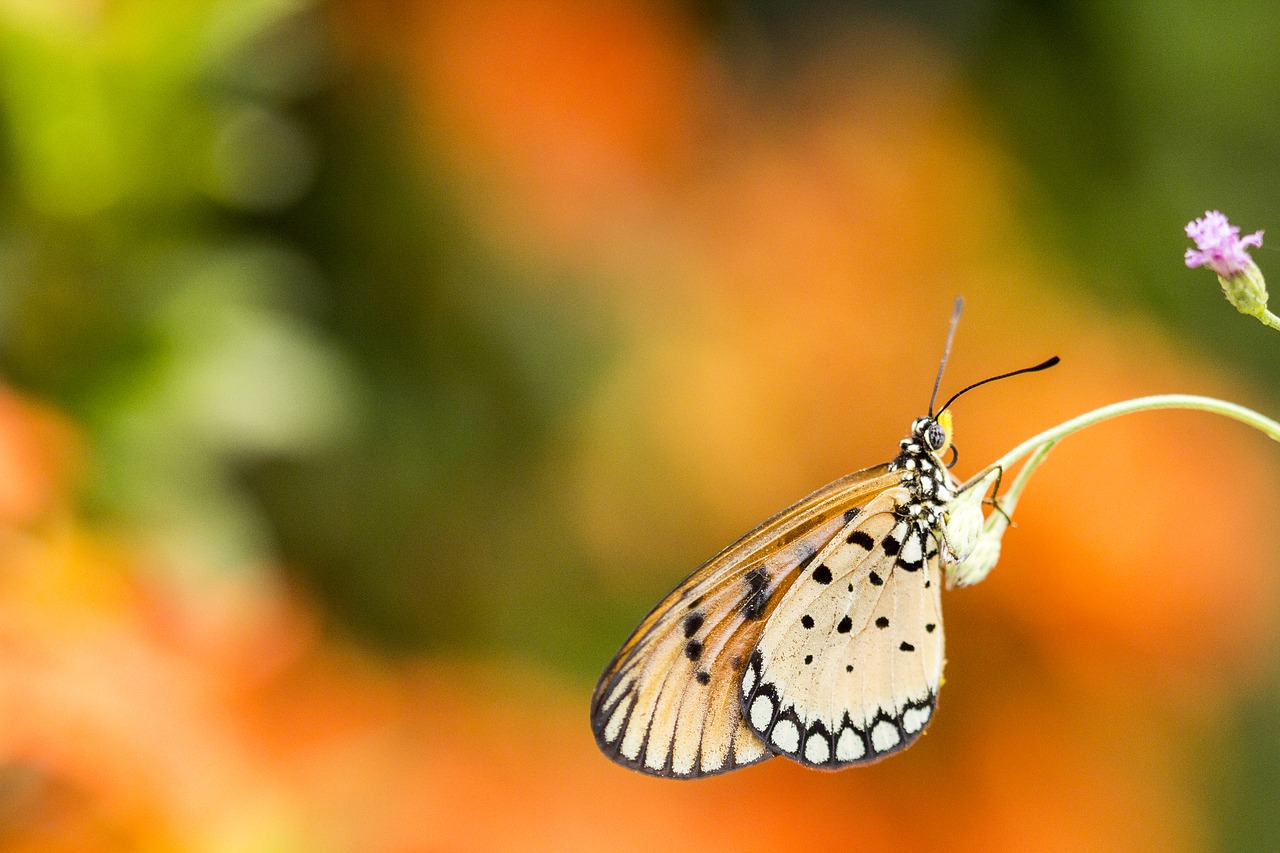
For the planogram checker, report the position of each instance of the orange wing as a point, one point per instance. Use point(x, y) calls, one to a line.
point(669, 703)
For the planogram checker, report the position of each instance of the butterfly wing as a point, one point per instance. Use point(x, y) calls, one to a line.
point(847, 669)
point(669, 703)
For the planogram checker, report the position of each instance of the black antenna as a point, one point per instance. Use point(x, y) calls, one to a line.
point(946, 350)
point(1044, 365)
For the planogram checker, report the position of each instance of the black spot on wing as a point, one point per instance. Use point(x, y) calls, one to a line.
point(822, 574)
point(890, 545)
point(882, 622)
point(850, 514)
point(907, 647)
point(757, 598)
point(845, 626)
point(693, 650)
point(703, 677)
point(875, 579)
point(862, 539)
point(692, 623)
point(806, 620)
point(930, 627)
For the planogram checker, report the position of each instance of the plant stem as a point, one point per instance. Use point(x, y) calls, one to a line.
point(1010, 500)
point(1042, 443)
point(1268, 319)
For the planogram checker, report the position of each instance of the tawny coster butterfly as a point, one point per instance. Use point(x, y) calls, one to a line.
point(817, 636)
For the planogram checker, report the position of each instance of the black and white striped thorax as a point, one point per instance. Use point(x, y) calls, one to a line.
point(927, 478)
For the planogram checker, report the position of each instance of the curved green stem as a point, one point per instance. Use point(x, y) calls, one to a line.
point(1010, 500)
point(1269, 319)
point(1045, 440)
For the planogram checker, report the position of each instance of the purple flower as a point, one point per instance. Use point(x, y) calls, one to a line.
point(1219, 245)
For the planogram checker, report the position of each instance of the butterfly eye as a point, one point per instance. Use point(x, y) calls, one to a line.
point(936, 436)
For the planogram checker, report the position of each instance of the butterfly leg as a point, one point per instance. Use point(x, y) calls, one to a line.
point(940, 539)
point(994, 500)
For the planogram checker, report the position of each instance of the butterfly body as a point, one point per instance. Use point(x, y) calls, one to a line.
point(816, 636)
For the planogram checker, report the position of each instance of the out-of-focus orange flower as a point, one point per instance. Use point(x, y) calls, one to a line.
point(1141, 549)
point(102, 697)
point(583, 107)
point(37, 455)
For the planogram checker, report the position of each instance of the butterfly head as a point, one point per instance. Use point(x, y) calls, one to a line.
point(931, 434)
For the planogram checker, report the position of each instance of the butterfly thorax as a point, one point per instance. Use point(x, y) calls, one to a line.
point(925, 475)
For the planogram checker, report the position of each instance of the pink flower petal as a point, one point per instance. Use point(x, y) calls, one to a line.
point(1219, 245)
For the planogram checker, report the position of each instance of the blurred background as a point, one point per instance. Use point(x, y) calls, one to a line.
point(368, 369)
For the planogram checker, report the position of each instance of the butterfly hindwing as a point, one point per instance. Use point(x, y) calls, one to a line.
point(848, 667)
point(669, 703)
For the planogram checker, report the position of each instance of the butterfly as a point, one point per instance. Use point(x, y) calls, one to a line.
point(816, 636)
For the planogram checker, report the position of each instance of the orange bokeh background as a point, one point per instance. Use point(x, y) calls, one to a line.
point(775, 266)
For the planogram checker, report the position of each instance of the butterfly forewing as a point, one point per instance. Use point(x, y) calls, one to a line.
point(669, 703)
point(848, 667)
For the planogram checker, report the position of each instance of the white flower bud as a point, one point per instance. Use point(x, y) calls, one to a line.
point(980, 560)
point(970, 541)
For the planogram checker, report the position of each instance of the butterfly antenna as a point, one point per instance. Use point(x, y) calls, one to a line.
point(1044, 365)
point(946, 350)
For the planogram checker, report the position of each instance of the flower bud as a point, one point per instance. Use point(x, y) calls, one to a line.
point(1220, 247)
point(970, 541)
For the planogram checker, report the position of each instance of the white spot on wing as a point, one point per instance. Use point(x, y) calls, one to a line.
point(615, 722)
point(748, 680)
point(786, 736)
point(912, 552)
point(816, 749)
point(884, 736)
point(632, 742)
point(654, 759)
point(850, 746)
point(761, 712)
point(747, 747)
point(616, 693)
point(914, 719)
point(682, 761)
